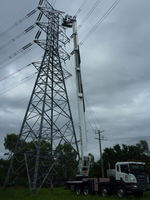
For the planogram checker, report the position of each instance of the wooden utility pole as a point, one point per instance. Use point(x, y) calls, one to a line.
point(100, 148)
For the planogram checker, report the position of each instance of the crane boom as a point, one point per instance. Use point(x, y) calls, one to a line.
point(79, 88)
point(84, 162)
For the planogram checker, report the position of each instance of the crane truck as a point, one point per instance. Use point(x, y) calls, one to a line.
point(127, 177)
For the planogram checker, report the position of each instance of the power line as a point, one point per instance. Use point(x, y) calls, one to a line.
point(27, 78)
point(130, 138)
point(91, 113)
point(30, 14)
point(26, 31)
point(97, 3)
point(100, 21)
point(12, 74)
point(93, 121)
point(80, 8)
point(22, 51)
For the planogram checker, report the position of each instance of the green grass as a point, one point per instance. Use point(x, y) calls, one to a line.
point(56, 194)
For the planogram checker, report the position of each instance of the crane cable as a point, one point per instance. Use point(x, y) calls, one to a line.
point(100, 21)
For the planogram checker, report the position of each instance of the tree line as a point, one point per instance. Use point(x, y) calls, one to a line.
point(122, 153)
point(66, 165)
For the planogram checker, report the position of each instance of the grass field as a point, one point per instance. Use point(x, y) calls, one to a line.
point(56, 194)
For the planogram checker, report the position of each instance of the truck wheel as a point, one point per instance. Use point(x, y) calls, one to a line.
point(104, 192)
point(121, 192)
point(85, 191)
point(72, 188)
point(78, 191)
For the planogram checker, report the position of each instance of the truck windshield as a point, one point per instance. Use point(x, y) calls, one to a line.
point(136, 168)
point(124, 168)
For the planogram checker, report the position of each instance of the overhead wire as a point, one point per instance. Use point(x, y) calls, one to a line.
point(13, 73)
point(95, 122)
point(30, 14)
point(21, 51)
point(129, 138)
point(80, 8)
point(26, 31)
point(112, 7)
point(25, 49)
point(91, 124)
point(27, 78)
point(95, 5)
point(98, 2)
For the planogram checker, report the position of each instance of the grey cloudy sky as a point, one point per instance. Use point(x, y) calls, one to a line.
point(115, 68)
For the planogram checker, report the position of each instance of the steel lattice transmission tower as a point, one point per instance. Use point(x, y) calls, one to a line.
point(48, 116)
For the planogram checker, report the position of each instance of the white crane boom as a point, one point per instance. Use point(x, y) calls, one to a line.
point(85, 160)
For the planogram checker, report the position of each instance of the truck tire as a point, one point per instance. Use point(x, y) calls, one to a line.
point(121, 192)
point(72, 188)
point(85, 191)
point(78, 191)
point(104, 192)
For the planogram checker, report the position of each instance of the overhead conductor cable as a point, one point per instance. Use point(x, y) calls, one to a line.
point(19, 70)
point(26, 31)
point(100, 21)
point(29, 77)
point(80, 8)
point(23, 50)
point(98, 2)
point(31, 13)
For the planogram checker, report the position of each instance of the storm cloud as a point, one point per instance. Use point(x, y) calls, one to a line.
point(115, 70)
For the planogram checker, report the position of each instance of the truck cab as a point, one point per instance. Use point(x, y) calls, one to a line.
point(132, 173)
